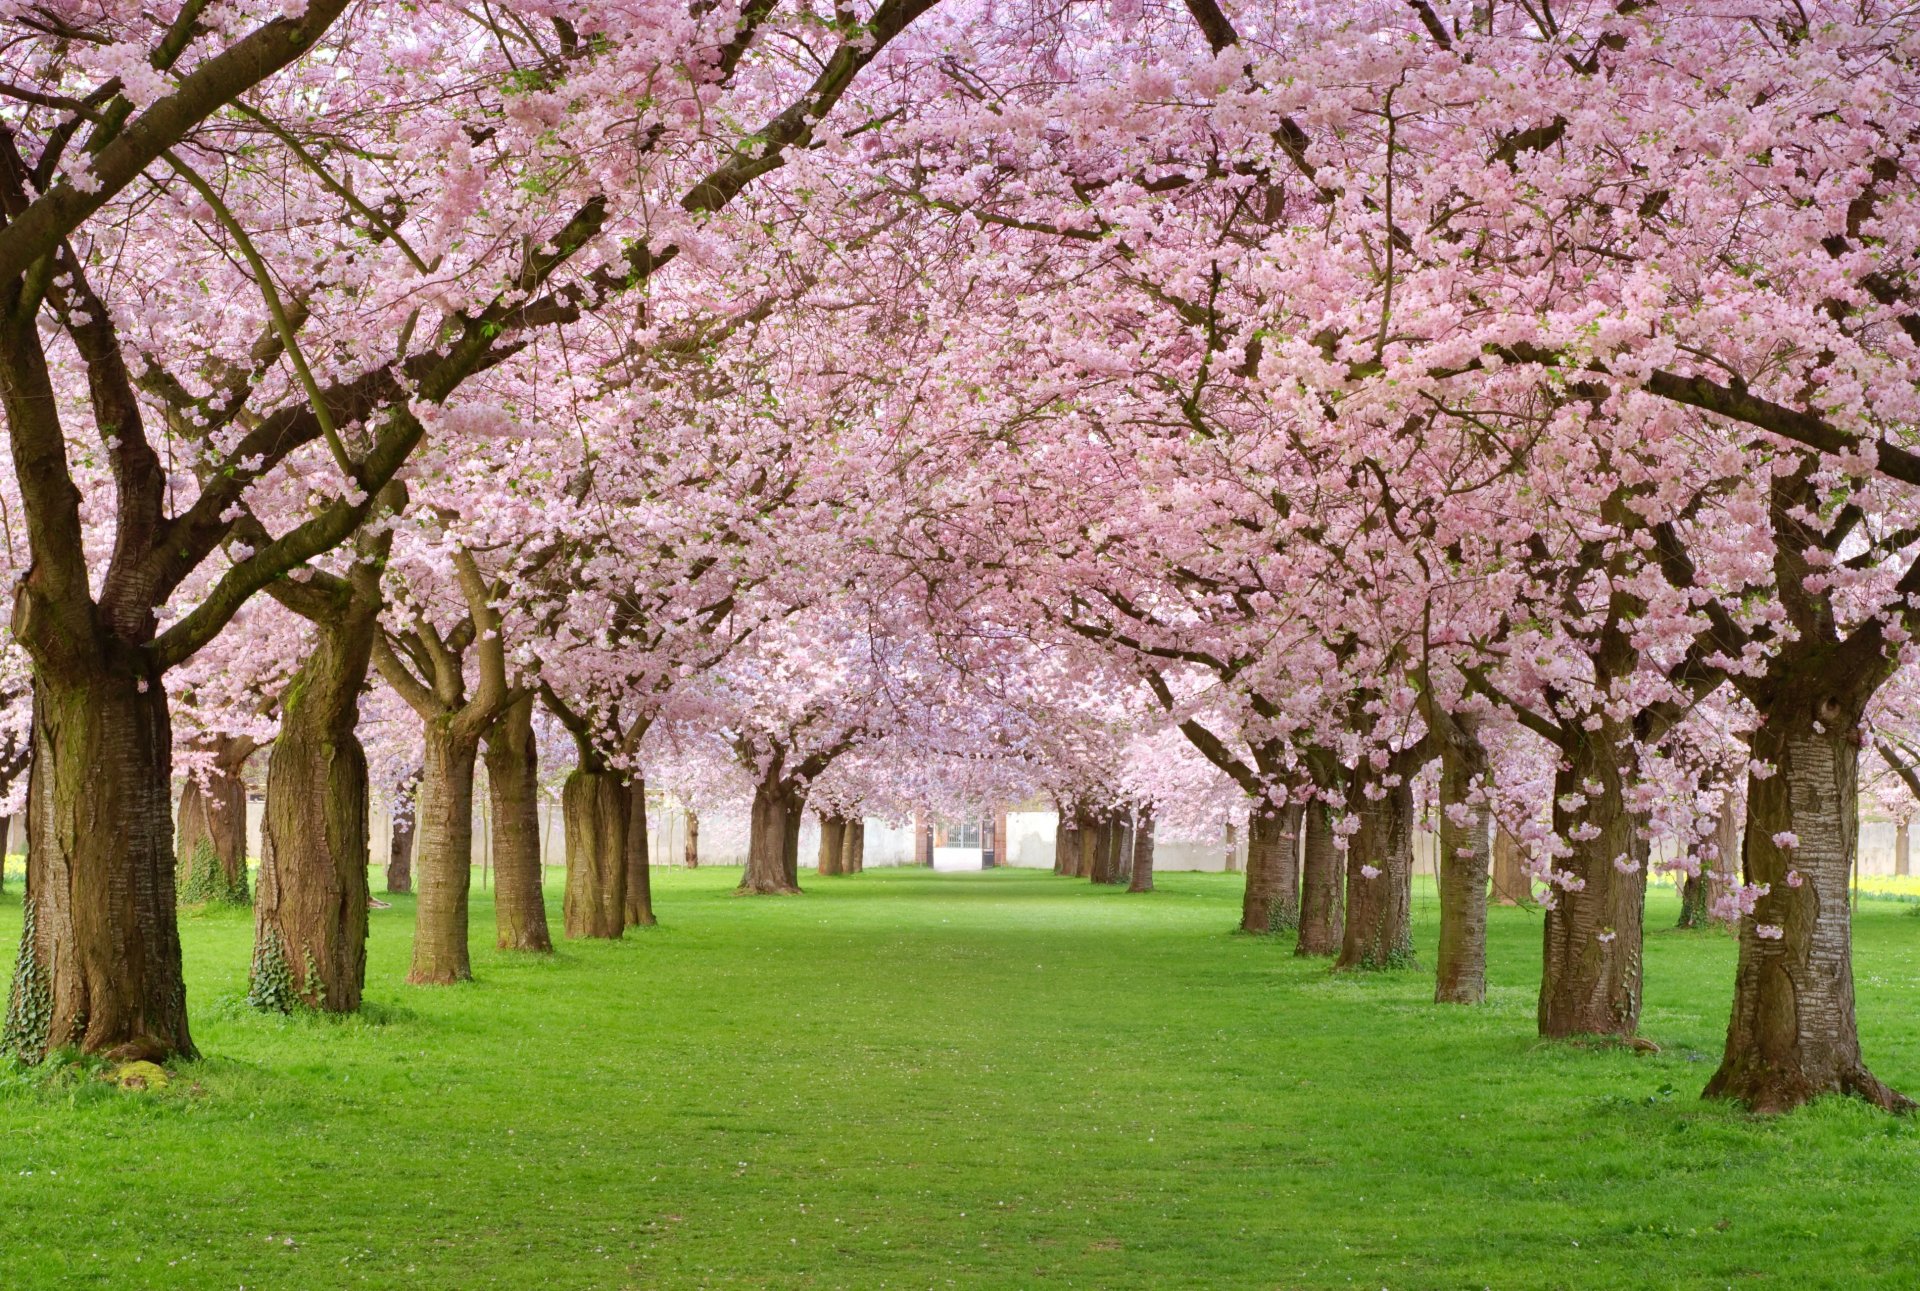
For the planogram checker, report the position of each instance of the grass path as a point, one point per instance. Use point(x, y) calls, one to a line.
point(909, 1080)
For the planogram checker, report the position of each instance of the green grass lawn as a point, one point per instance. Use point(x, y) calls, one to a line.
point(1002, 1080)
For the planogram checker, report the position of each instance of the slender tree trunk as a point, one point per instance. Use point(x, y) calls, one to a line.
point(1793, 1034)
point(1142, 880)
point(693, 840)
point(99, 965)
point(400, 844)
point(310, 921)
point(1511, 885)
point(639, 861)
point(790, 839)
point(1321, 923)
point(1066, 845)
point(1693, 898)
point(6, 848)
point(1122, 871)
point(1379, 926)
point(767, 842)
point(833, 840)
point(211, 837)
point(513, 791)
point(595, 804)
point(1902, 850)
point(1271, 902)
point(1724, 877)
point(853, 846)
point(1233, 850)
point(444, 816)
point(1465, 857)
point(1590, 974)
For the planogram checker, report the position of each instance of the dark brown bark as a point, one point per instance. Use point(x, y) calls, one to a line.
point(595, 803)
point(1590, 977)
point(833, 840)
point(1465, 858)
point(1511, 886)
point(1066, 844)
point(1271, 901)
point(1793, 1034)
point(639, 861)
point(693, 840)
point(513, 794)
point(400, 842)
point(1142, 880)
point(211, 828)
point(1122, 867)
point(766, 872)
point(853, 846)
point(101, 969)
point(444, 861)
point(1321, 878)
point(1379, 925)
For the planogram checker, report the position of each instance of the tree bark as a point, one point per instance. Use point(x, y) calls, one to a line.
point(1793, 1035)
point(400, 849)
point(833, 840)
point(1321, 923)
point(1142, 880)
point(99, 966)
point(1122, 868)
point(211, 838)
point(444, 821)
point(1464, 861)
point(1902, 850)
point(639, 862)
point(1590, 976)
point(1271, 902)
point(595, 804)
point(1379, 925)
point(1511, 886)
point(1724, 877)
point(310, 921)
point(693, 840)
point(513, 791)
point(767, 842)
point(1066, 845)
point(853, 846)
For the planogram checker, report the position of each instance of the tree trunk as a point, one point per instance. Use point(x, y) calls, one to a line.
point(1321, 923)
point(790, 839)
point(1725, 875)
point(400, 846)
point(767, 842)
point(595, 805)
point(99, 965)
point(444, 820)
point(1793, 1035)
point(1066, 845)
point(1693, 898)
point(1590, 973)
point(1379, 926)
point(1233, 850)
point(853, 846)
point(1142, 880)
point(693, 840)
point(1511, 886)
point(639, 862)
point(211, 838)
point(6, 841)
point(1122, 868)
point(1271, 902)
point(310, 921)
point(833, 841)
point(513, 792)
point(1465, 857)
point(1902, 850)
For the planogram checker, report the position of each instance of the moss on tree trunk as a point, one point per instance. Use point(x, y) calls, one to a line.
point(1271, 901)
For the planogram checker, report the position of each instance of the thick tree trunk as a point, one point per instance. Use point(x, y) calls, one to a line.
point(310, 921)
point(1122, 870)
point(639, 862)
point(1465, 858)
point(693, 840)
point(1793, 1035)
point(444, 824)
point(853, 846)
point(1271, 902)
point(1066, 845)
point(833, 840)
point(1320, 882)
point(1511, 886)
point(1379, 925)
point(1142, 880)
point(400, 846)
point(595, 804)
point(211, 837)
point(767, 842)
point(1590, 974)
point(513, 793)
point(99, 965)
